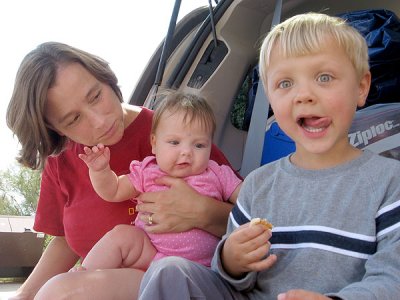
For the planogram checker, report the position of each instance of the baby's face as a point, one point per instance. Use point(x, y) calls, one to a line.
point(314, 98)
point(181, 148)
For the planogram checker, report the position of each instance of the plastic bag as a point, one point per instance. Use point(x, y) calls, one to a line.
point(381, 29)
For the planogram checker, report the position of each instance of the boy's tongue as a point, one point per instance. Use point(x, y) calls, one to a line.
point(316, 122)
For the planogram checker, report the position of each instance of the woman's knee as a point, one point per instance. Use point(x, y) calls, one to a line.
point(57, 287)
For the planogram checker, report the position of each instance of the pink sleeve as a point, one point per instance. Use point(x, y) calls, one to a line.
point(227, 178)
point(139, 171)
point(136, 175)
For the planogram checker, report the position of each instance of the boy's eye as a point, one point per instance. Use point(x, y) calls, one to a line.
point(284, 84)
point(324, 78)
point(173, 143)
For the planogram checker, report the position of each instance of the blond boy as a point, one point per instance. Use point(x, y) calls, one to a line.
point(335, 209)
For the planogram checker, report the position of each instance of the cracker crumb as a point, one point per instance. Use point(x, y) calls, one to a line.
point(263, 222)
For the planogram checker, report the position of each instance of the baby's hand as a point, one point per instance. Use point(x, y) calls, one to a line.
point(96, 158)
point(246, 250)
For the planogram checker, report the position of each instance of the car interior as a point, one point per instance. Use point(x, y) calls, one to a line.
point(213, 50)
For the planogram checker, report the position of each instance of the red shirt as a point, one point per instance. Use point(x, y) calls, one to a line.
point(68, 205)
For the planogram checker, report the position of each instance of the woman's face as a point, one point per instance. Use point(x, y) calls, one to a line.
point(84, 109)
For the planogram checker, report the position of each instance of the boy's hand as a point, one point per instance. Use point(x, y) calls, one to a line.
point(96, 158)
point(245, 250)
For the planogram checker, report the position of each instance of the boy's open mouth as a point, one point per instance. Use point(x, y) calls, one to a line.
point(313, 124)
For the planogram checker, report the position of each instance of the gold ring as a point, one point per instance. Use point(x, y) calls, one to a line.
point(150, 220)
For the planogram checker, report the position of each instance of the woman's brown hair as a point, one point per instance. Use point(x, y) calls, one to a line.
point(36, 75)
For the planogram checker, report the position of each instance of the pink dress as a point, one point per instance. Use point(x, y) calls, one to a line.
point(218, 182)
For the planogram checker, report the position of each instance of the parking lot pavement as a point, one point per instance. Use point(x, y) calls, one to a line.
point(8, 289)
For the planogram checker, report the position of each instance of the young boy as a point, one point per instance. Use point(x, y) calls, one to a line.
point(335, 209)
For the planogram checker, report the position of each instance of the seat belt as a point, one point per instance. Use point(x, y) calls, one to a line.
point(259, 116)
point(150, 102)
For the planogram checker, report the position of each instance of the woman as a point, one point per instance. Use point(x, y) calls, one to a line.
point(64, 99)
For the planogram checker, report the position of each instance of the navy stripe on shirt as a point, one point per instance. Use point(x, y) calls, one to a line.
point(324, 238)
point(389, 219)
point(320, 237)
point(238, 216)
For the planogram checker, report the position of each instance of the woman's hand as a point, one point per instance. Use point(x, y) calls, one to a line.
point(246, 250)
point(181, 208)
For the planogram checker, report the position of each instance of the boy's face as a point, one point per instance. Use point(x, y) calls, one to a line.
point(181, 148)
point(314, 98)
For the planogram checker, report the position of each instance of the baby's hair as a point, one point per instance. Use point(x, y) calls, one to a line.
point(307, 34)
point(194, 107)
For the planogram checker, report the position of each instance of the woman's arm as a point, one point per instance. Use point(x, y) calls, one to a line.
point(212, 215)
point(181, 208)
point(57, 258)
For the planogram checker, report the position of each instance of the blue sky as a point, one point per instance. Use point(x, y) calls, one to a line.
point(124, 32)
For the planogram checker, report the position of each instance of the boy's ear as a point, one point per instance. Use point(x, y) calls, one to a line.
point(365, 84)
point(153, 143)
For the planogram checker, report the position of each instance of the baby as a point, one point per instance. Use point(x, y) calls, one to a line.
point(181, 140)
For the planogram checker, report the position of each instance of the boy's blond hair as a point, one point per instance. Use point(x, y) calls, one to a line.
point(307, 33)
